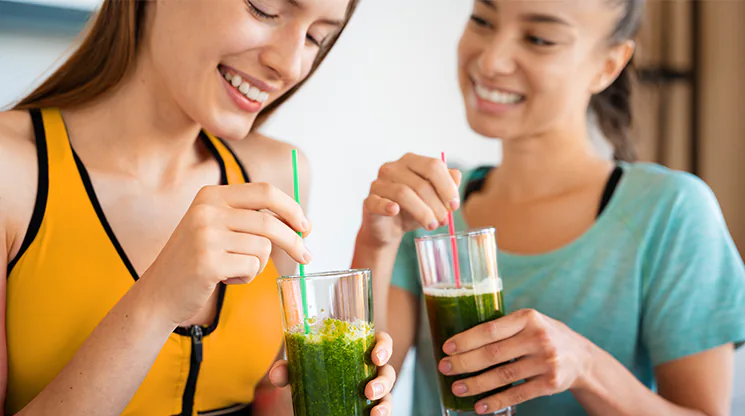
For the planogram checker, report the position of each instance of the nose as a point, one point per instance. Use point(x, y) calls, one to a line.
point(498, 57)
point(284, 54)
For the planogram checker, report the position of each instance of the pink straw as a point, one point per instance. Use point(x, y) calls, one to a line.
point(453, 243)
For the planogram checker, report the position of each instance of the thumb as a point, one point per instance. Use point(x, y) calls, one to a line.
point(278, 375)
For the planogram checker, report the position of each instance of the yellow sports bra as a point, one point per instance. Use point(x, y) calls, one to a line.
point(70, 272)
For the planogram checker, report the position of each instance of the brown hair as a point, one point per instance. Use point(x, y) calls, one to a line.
point(109, 50)
point(613, 106)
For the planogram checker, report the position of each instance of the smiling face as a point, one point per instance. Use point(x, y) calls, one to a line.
point(224, 61)
point(528, 67)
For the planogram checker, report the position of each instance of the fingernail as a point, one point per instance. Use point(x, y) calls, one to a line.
point(481, 408)
point(377, 389)
point(449, 347)
point(433, 226)
point(445, 366)
point(307, 257)
point(382, 356)
point(383, 411)
point(454, 204)
point(305, 225)
point(459, 388)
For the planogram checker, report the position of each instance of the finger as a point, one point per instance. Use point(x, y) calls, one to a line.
point(384, 408)
point(381, 206)
point(510, 397)
point(456, 175)
point(278, 374)
point(239, 268)
point(268, 226)
point(436, 172)
point(408, 200)
point(486, 356)
point(261, 195)
point(248, 244)
point(382, 384)
point(488, 332)
point(501, 376)
point(383, 349)
point(424, 188)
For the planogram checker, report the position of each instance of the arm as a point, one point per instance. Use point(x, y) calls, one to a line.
point(552, 358)
point(698, 385)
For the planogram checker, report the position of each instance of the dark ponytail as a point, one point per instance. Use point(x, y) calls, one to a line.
point(613, 106)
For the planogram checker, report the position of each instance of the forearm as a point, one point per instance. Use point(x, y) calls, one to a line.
point(611, 390)
point(379, 259)
point(109, 367)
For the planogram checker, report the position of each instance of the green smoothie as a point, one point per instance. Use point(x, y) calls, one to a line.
point(451, 311)
point(330, 368)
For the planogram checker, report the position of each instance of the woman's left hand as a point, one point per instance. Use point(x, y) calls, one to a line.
point(549, 356)
point(377, 389)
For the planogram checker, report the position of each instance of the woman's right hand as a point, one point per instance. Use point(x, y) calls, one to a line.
point(414, 191)
point(227, 235)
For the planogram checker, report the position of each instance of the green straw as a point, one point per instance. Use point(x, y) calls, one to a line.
point(302, 266)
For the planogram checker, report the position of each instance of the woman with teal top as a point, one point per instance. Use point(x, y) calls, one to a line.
point(625, 292)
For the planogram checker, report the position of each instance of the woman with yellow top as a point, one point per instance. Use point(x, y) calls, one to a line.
point(129, 229)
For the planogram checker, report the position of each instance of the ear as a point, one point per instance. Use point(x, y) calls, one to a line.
point(617, 59)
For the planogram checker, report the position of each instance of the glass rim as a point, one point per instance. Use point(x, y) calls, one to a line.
point(331, 275)
point(458, 234)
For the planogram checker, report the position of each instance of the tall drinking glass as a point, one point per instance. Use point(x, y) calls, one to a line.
point(452, 309)
point(329, 359)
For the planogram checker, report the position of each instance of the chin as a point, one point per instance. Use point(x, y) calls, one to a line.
point(488, 127)
point(232, 127)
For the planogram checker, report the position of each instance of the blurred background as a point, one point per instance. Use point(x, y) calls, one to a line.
point(389, 87)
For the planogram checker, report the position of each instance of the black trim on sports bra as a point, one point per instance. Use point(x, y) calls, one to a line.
point(101, 216)
point(610, 187)
point(42, 189)
point(216, 154)
point(246, 178)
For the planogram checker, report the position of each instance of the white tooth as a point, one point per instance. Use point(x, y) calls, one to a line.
point(244, 88)
point(228, 76)
point(253, 94)
point(236, 81)
point(263, 97)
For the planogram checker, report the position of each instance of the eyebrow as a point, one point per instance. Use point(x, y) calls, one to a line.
point(333, 22)
point(530, 17)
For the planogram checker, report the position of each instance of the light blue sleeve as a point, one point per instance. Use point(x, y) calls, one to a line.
point(694, 294)
point(406, 268)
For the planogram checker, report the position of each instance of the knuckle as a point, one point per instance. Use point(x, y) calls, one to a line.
point(265, 249)
point(530, 314)
point(492, 329)
point(493, 352)
point(207, 193)
point(265, 189)
point(400, 191)
point(386, 170)
point(553, 382)
point(432, 165)
point(517, 396)
point(204, 214)
point(507, 373)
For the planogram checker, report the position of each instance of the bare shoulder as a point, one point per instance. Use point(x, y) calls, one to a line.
point(270, 160)
point(18, 176)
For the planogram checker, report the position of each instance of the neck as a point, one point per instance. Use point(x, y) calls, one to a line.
point(547, 164)
point(138, 130)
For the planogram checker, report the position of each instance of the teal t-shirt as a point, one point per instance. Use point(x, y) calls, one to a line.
point(656, 278)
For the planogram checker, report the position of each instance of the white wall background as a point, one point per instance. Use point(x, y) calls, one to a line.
point(389, 87)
